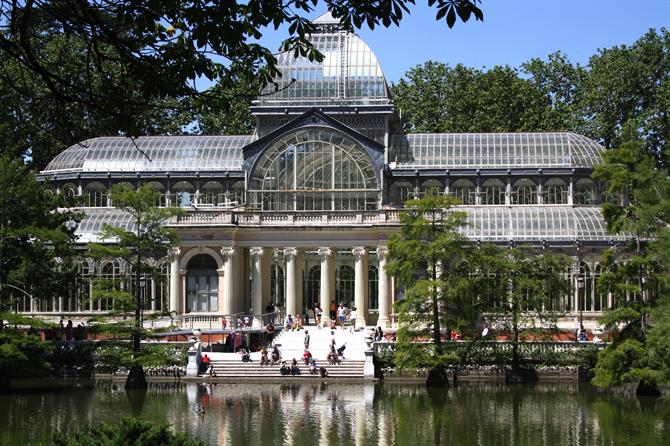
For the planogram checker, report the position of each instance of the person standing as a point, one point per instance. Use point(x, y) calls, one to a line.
point(333, 310)
point(353, 314)
point(341, 314)
point(317, 314)
point(306, 340)
point(305, 314)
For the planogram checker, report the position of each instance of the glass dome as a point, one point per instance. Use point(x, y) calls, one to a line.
point(314, 169)
point(349, 74)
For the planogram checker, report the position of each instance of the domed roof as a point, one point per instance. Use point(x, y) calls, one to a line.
point(152, 153)
point(348, 75)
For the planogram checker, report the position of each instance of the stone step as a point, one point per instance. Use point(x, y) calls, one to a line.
point(347, 369)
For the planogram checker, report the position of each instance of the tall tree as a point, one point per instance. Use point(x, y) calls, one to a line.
point(637, 279)
point(36, 238)
point(148, 238)
point(628, 89)
point(427, 258)
point(161, 49)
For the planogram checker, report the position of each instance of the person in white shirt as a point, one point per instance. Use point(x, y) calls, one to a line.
point(353, 314)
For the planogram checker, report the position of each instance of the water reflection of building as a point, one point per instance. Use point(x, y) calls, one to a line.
point(303, 208)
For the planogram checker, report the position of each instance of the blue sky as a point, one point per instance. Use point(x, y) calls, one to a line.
point(513, 31)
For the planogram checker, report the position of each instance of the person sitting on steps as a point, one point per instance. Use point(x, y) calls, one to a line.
point(295, 370)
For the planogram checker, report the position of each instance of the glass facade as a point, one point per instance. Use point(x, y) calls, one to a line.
point(314, 169)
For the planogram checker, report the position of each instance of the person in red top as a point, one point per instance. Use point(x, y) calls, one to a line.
point(204, 364)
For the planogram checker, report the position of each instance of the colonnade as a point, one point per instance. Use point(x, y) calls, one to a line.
point(232, 271)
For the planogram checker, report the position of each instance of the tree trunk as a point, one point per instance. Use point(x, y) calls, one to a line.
point(136, 378)
point(437, 377)
point(138, 302)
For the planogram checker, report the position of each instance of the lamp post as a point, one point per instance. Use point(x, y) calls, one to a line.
point(580, 281)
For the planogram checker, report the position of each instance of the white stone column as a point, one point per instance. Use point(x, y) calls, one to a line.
point(384, 320)
point(256, 254)
point(290, 255)
point(174, 279)
point(184, 290)
point(360, 283)
point(325, 296)
point(228, 254)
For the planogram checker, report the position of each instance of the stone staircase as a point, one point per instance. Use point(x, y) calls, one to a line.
point(248, 370)
point(291, 345)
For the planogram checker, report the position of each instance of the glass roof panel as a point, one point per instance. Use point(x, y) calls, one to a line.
point(494, 150)
point(165, 153)
point(536, 223)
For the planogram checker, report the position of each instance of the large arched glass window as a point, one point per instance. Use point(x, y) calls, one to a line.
point(493, 192)
point(95, 195)
point(202, 284)
point(161, 300)
point(555, 191)
point(585, 192)
point(524, 191)
point(464, 190)
point(314, 169)
point(344, 285)
point(110, 278)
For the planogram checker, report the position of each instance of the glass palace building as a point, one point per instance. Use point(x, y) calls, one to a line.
point(302, 209)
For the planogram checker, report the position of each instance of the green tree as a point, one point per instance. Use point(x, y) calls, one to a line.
point(522, 291)
point(434, 97)
point(428, 259)
point(636, 273)
point(162, 50)
point(148, 237)
point(36, 238)
point(127, 431)
point(628, 90)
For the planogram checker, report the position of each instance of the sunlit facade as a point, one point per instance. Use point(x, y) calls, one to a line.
point(301, 211)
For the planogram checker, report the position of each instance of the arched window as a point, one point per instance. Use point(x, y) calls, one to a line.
point(585, 192)
point(162, 283)
point(314, 169)
point(600, 301)
point(126, 185)
point(183, 193)
point(211, 193)
point(344, 285)
point(608, 196)
point(110, 277)
point(524, 191)
point(555, 191)
point(277, 284)
point(401, 191)
point(373, 287)
point(158, 187)
point(202, 284)
point(585, 287)
point(312, 286)
point(493, 192)
point(82, 285)
point(434, 187)
point(145, 286)
point(69, 190)
point(464, 190)
point(95, 195)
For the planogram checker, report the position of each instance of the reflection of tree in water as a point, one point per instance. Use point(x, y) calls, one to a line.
point(274, 414)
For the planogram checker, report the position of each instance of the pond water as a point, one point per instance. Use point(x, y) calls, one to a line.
point(337, 414)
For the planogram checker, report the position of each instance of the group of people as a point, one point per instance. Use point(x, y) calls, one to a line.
point(291, 324)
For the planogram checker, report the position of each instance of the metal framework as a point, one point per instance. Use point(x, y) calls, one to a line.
point(494, 150)
point(163, 153)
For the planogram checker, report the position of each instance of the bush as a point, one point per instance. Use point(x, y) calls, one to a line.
point(127, 432)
